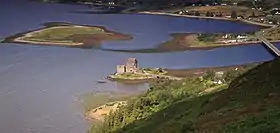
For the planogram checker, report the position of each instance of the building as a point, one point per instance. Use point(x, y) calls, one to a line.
point(121, 68)
point(111, 3)
point(219, 74)
point(131, 66)
point(241, 37)
point(218, 79)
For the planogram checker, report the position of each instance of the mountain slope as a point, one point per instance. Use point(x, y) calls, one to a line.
point(250, 103)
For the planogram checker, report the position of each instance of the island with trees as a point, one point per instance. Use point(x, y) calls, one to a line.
point(69, 35)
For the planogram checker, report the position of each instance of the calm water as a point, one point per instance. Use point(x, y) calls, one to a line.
point(39, 85)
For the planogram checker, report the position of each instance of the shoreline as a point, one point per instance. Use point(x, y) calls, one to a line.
point(204, 17)
point(234, 44)
point(98, 114)
point(160, 50)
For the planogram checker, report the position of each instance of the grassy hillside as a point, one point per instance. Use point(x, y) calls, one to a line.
point(248, 103)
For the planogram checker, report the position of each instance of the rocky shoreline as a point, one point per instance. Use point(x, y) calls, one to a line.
point(98, 114)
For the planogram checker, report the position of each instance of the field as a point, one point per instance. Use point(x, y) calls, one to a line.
point(60, 33)
point(226, 10)
point(272, 34)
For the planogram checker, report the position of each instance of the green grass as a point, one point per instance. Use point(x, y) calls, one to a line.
point(249, 103)
point(154, 71)
point(130, 75)
point(266, 122)
point(61, 33)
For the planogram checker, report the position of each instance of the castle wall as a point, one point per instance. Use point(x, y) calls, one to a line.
point(131, 65)
point(121, 68)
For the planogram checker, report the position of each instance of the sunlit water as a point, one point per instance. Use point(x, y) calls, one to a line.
point(39, 85)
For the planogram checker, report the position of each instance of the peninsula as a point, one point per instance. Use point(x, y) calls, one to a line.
point(70, 35)
point(206, 41)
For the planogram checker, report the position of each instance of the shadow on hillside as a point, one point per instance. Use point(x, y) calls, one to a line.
point(172, 113)
point(252, 87)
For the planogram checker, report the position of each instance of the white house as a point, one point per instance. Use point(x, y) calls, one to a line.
point(241, 37)
point(181, 12)
point(111, 3)
point(226, 36)
point(218, 82)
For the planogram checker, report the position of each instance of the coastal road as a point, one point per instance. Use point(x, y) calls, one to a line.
point(267, 43)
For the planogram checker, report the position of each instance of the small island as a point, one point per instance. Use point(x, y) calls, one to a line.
point(70, 35)
point(131, 72)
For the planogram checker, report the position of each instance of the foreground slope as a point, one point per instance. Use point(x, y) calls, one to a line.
point(250, 103)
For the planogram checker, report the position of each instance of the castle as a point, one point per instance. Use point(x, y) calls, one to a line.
point(130, 67)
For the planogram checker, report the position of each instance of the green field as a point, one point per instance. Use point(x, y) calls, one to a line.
point(130, 76)
point(62, 33)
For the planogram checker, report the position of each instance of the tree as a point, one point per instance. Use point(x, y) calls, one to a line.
point(231, 75)
point(209, 75)
point(160, 70)
point(207, 14)
point(197, 13)
point(211, 14)
point(274, 21)
point(253, 14)
point(234, 14)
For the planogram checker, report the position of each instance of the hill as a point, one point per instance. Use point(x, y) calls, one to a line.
point(248, 102)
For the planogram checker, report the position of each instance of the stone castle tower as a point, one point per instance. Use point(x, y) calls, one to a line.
point(131, 66)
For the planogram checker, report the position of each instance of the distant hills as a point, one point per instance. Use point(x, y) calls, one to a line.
point(265, 4)
point(130, 1)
